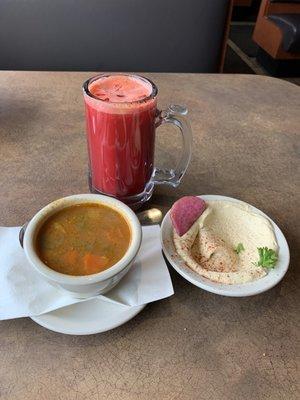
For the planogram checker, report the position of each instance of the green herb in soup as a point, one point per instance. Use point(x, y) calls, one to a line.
point(83, 239)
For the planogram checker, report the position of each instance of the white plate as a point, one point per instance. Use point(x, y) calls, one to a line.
point(247, 289)
point(88, 317)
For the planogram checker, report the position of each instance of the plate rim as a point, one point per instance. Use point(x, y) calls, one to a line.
point(40, 320)
point(241, 290)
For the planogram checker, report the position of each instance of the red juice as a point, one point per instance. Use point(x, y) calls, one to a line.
point(120, 124)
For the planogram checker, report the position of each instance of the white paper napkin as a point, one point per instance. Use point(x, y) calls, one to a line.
point(23, 292)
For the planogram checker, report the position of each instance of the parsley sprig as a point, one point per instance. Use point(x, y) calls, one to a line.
point(267, 258)
point(239, 248)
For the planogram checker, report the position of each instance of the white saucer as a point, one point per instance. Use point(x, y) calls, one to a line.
point(88, 317)
point(247, 289)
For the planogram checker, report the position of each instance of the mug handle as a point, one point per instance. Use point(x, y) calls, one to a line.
point(174, 114)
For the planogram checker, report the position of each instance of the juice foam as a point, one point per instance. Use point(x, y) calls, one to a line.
point(120, 89)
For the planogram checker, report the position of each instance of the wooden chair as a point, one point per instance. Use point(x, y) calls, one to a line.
point(276, 28)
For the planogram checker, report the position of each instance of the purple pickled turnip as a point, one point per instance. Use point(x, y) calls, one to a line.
point(185, 212)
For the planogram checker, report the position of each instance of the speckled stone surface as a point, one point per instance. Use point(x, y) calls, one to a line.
point(194, 345)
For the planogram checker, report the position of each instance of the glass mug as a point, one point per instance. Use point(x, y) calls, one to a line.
point(121, 119)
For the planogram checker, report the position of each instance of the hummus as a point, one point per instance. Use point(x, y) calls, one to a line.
point(208, 247)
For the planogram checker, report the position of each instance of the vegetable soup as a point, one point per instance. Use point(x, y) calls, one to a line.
point(83, 239)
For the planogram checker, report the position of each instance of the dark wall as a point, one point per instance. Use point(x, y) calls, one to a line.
point(127, 35)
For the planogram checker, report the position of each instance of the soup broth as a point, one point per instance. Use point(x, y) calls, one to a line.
point(83, 239)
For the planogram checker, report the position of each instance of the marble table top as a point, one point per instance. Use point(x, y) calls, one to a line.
point(194, 345)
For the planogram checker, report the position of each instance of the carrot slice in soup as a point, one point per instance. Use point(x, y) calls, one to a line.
point(93, 263)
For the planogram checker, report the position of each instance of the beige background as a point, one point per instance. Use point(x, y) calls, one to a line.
point(194, 345)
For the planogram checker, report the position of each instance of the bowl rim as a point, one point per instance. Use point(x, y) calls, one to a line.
point(64, 202)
